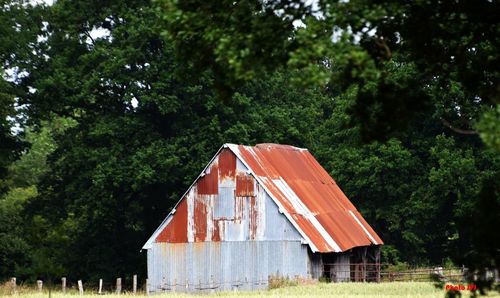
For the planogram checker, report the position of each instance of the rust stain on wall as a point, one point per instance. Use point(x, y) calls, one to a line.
point(176, 230)
point(239, 207)
point(216, 234)
point(244, 185)
point(200, 218)
point(209, 183)
point(227, 164)
point(253, 216)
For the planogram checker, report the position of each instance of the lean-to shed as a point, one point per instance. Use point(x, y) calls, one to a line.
point(256, 212)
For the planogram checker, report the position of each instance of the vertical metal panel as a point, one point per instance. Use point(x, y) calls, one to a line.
point(342, 269)
point(245, 185)
point(224, 204)
point(277, 226)
point(208, 183)
point(176, 230)
point(190, 197)
point(316, 266)
point(227, 165)
point(200, 216)
point(207, 266)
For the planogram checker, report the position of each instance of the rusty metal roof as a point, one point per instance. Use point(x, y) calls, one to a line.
point(308, 196)
point(304, 192)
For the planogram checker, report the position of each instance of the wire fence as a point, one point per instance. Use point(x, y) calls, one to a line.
point(379, 272)
point(213, 285)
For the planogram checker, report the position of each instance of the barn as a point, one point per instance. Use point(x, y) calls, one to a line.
point(260, 212)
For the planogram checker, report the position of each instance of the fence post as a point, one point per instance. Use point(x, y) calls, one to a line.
point(80, 287)
point(13, 285)
point(187, 284)
point(134, 283)
point(63, 284)
point(100, 286)
point(118, 285)
point(39, 285)
point(147, 287)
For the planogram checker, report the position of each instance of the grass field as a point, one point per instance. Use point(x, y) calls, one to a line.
point(346, 290)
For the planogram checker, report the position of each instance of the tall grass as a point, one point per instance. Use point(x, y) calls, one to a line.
point(342, 290)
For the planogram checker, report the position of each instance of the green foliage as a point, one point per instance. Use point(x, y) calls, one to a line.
point(392, 52)
point(17, 252)
point(10, 145)
point(14, 249)
point(18, 27)
point(490, 127)
point(390, 254)
point(238, 45)
point(27, 171)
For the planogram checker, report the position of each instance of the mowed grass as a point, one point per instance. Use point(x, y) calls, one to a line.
point(345, 290)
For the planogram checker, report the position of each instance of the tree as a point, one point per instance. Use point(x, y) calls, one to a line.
point(21, 181)
point(356, 43)
point(10, 143)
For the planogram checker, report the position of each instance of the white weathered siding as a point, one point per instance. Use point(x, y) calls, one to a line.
point(227, 265)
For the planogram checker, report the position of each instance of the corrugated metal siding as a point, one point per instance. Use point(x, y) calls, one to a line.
point(315, 265)
point(341, 271)
point(309, 196)
point(207, 266)
point(227, 204)
point(277, 226)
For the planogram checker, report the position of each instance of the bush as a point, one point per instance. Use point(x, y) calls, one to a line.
point(282, 282)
